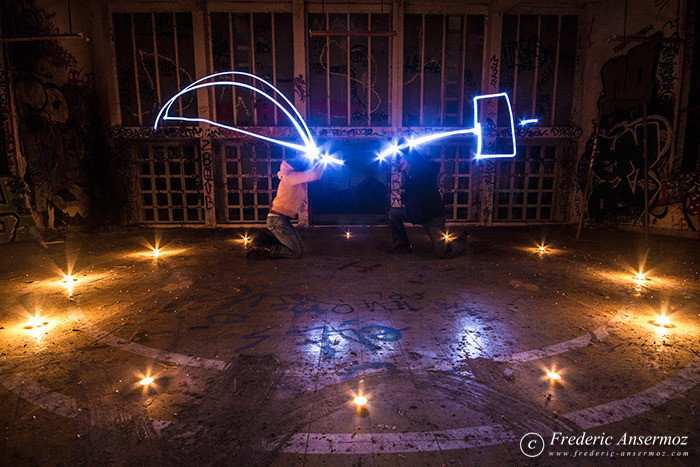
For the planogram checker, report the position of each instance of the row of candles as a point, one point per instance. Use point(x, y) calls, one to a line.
point(69, 281)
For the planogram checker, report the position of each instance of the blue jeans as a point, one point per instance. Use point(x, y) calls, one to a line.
point(290, 245)
point(436, 230)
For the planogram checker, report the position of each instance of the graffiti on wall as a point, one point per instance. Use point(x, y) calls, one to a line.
point(53, 129)
point(646, 73)
point(15, 216)
point(57, 120)
point(677, 205)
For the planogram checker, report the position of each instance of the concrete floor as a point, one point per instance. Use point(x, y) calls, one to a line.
point(257, 361)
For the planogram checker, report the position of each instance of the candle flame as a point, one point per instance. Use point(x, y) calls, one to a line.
point(663, 320)
point(146, 381)
point(36, 322)
point(360, 401)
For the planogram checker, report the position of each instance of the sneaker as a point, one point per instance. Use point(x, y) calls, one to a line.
point(401, 249)
point(252, 249)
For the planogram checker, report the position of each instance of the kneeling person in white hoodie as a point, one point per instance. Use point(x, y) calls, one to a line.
point(285, 207)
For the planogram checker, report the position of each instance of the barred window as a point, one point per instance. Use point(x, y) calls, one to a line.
point(155, 59)
point(538, 59)
point(442, 68)
point(348, 76)
point(260, 44)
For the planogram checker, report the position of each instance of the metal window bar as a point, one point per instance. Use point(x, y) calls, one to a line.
point(556, 72)
point(516, 62)
point(462, 71)
point(348, 103)
point(251, 182)
point(155, 57)
point(422, 67)
point(536, 76)
point(454, 56)
point(156, 64)
point(169, 183)
point(555, 86)
point(369, 72)
point(232, 53)
point(526, 189)
point(177, 62)
point(455, 160)
point(136, 71)
point(328, 72)
point(443, 93)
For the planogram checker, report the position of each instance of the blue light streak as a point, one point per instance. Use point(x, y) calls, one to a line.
point(309, 149)
point(394, 149)
point(528, 121)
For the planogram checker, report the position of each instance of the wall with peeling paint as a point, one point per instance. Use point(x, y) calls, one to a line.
point(653, 71)
point(52, 120)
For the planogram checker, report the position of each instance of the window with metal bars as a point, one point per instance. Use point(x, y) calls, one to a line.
point(251, 179)
point(155, 60)
point(526, 186)
point(170, 183)
point(260, 44)
point(348, 76)
point(455, 158)
point(442, 68)
point(538, 59)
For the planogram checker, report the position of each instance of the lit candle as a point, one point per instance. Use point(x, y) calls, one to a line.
point(69, 282)
point(360, 401)
point(146, 381)
point(663, 320)
point(36, 322)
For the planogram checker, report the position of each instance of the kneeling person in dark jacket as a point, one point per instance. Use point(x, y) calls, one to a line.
point(424, 206)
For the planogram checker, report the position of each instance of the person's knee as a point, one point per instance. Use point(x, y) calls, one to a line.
point(298, 250)
point(442, 250)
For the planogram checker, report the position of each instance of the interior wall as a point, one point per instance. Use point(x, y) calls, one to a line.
point(61, 101)
point(52, 124)
point(653, 71)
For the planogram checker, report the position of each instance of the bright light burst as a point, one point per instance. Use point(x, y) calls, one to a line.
point(360, 401)
point(554, 376)
point(447, 237)
point(146, 381)
point(156, 252)
point(35, 321)
point(662, 320)
point(69, 281)
point(347, 234)
point(326, 159)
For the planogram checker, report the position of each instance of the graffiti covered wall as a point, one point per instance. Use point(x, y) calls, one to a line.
point(618, 72)
point(54, 101)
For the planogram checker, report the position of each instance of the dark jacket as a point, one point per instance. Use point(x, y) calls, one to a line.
point(422, 196)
